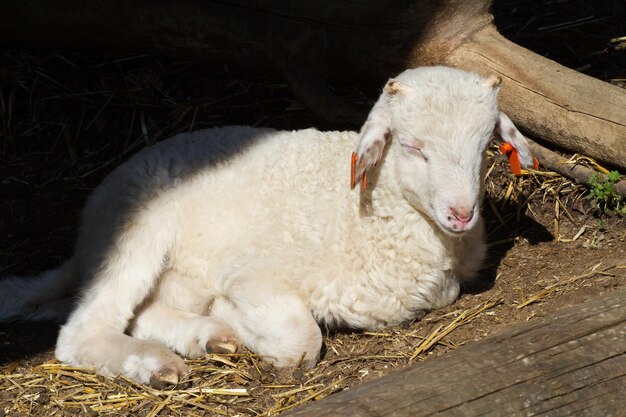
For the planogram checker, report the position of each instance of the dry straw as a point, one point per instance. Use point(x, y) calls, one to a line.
point(562, 282)
point(238, 384)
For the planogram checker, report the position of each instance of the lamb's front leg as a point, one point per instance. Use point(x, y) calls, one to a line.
point(113, 354)
point(189, 334)
point(271, 320)
point(122, 279)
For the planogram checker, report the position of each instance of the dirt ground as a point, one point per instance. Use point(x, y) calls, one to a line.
point(68, 119)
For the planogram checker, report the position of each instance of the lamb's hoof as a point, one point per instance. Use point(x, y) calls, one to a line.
point(164, 377)
point(222, 345)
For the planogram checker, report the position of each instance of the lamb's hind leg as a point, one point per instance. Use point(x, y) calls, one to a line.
point(191, 335)
point(272, 322)
point(122, 279)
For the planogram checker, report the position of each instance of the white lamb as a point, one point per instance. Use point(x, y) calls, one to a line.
point(239, 235)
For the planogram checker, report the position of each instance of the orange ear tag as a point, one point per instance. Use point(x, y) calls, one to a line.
point(352, 170)
point(353, 174)
point(509, 150)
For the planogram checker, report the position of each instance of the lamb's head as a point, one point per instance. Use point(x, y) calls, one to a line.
point(437, 123)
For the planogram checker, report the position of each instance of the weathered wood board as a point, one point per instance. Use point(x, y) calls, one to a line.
point(572, 363)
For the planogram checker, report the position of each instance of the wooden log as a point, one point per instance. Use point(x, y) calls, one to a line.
point(310, 42)
point(578, 173)
point(572, 363)
point(550, 101)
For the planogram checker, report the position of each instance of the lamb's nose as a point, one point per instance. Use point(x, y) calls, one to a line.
point(463, 213)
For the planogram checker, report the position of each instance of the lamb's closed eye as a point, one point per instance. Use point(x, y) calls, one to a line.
point(415, 148)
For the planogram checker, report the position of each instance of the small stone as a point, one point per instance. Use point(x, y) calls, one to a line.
point(298, 374)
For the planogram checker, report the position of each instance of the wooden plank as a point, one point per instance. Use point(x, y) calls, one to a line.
point(572, 363)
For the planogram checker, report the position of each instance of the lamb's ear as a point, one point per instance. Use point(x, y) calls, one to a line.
point(507, 131)
point(375, 133)
point(493, 81)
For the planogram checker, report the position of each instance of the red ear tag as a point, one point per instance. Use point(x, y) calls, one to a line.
point(353, 174)
point(352, 171)
point(516, 167)
point(536, 164)
point(509, 150)
point(506, 148)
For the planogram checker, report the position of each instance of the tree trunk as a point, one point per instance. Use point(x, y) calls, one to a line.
point(342, 40)
point(551, 102)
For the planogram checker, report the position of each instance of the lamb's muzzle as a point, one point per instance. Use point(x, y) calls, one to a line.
point(461, 217)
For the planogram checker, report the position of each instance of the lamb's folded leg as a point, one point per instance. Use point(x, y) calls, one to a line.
point(122, 279)
point(272, 321)
point(191, 335)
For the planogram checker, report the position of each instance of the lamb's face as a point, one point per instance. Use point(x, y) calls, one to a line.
point(438, 122)
point(440, 166)
point(440, 133)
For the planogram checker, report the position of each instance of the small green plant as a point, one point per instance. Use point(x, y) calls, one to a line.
point(602, 192)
